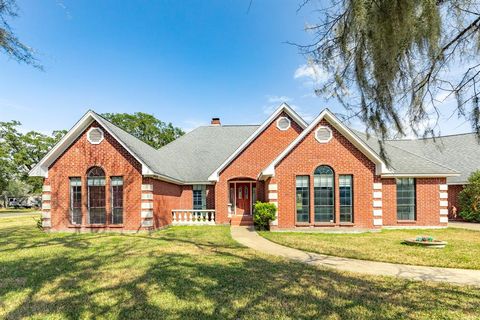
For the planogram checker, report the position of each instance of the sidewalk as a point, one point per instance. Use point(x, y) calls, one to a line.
point(464, 225)
point(248, 237)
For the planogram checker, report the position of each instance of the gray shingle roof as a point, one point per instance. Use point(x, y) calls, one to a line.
point(460, 152)
point(194, 156)
point(406, 161)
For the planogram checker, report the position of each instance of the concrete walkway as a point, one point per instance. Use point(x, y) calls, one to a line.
point(18, 214)
point(248, 237)
point(464, 225)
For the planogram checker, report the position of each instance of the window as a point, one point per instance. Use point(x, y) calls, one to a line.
point(346, 189)
point(283, 123)
point(324, 199)
point(95, 135)
point(76, 200)
point(117, 199)
point(254, 194)
point(323, 134)
point(303, 198)
point(96, 196)
point(240, 193)
point(406, 199)
point(199, 197)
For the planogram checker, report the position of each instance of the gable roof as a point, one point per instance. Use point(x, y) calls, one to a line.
point(408, 162)
point(284, 107)
point(344, 130)
point(461, 152)
point(141, 151)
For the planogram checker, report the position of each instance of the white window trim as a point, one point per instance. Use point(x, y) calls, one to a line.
point(323, 141)
point(289, 123)
point(95, 142)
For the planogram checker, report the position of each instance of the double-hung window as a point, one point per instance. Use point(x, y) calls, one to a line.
point(303, 198)
point(76, 200)
point(199, 197)
point(406, 199)
point(116, 184)
point(345, 185)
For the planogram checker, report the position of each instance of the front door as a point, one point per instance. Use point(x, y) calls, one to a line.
point(243, 198)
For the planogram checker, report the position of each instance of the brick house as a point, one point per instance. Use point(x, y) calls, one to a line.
point(319, 175)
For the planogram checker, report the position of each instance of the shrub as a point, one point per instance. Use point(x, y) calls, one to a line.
point(263, 214)
point(469, 198)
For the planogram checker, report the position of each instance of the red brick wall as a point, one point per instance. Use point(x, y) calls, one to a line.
point(343, 158)
point(75, 162)
point(252, 161)
point(427, 202)
point(453, 193)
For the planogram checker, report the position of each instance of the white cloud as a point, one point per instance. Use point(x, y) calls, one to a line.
point(312, 72)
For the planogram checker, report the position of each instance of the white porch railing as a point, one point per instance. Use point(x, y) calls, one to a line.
point(182, 217)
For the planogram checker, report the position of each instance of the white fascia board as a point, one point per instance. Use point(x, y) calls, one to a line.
point(457, 183)
point(419, 175)
point(380, 166)
point(41, 168)
point(283, 107)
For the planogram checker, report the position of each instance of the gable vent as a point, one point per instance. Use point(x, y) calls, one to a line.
point(323, 134)
point(95, 135)
point(283, 123)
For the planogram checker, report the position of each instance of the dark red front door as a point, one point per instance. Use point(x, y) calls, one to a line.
point(243, 198)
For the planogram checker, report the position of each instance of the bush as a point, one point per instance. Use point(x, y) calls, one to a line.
point(263, 214)
point(469, 198)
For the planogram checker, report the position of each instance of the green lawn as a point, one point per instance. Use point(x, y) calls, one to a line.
point(195, 273)
point(462, 251)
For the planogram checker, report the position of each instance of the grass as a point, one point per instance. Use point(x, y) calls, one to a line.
point(195, 273)
point(462, 251)
point(11, 210)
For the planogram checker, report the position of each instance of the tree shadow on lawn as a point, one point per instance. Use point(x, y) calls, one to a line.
point(131, 279)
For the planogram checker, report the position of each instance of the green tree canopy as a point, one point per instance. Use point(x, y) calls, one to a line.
point(19, 152)
point(146, 127)
point(389, 61)
point(470, 198)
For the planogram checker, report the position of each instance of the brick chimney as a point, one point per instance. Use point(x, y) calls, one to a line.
point(215, 122)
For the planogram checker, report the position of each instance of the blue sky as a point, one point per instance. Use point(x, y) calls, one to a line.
point(184, 61)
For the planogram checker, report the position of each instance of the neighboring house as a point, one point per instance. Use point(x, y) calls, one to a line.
point(99, 177)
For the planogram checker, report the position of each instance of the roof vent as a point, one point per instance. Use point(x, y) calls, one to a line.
point(323, 134)
point(215, 122)
point(95, 135)
point(283, 123)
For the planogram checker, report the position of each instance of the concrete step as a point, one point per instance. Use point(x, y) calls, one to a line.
point(244, 220)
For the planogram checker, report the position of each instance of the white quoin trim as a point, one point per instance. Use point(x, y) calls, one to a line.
point(272, 187)
point(443, 219)
point(282, 108)
point(377, 212)
point(147, 187)
point(443, 212)
point(443, 195)
point(377, 186)
point(377, 203)
point(273, 196)
point(443, 187)
point(46, 197)
point(147, 196)
point(377, 222)
point(145, 214)
point(275, 203)
point(147, 205)
point(41, 168)
point(47, 223)
point(147, 223)
point(377, 194)
point(46, 188)
point(46, 215)
point(46, 206)
point(380, 166)
point(443, 203)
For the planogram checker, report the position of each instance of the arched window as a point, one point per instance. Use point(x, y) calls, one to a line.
point(96, 196)
point(324, 199)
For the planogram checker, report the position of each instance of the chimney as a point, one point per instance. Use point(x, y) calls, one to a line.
point(215, 122)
